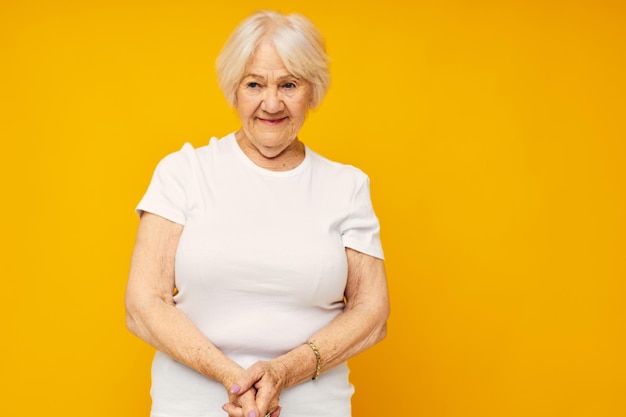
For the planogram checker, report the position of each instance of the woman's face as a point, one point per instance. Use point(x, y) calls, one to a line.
point(272, 103)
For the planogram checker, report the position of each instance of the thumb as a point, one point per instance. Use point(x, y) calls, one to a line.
point(245, 381)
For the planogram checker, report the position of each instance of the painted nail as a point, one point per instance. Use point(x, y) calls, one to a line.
point(235, 389)
point(252, 413)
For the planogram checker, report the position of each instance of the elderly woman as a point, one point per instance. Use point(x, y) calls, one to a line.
point(257, 270)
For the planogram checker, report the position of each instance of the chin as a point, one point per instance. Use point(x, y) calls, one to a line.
point(273, 141)
point(272, 150)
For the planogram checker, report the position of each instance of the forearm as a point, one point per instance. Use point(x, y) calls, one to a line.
point(349, 334)
point(362, 324)
point(166, 328)
point(150, 310)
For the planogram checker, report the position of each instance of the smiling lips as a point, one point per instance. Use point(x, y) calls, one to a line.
point(272, 121)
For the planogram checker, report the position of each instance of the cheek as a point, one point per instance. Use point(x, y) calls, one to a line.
point(300, 108)
point(303, 112)
point(244, 109)
point(246, 105)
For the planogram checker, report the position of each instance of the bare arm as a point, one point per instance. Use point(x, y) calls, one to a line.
point(362, 324)
point(150, 310)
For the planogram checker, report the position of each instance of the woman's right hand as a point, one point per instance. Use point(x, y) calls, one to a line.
point(241, 405)
point(244, 404)
point(266, 380)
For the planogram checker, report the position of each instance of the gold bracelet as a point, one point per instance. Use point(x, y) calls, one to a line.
point(318, 358)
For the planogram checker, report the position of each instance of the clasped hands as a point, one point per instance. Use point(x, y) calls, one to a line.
point(255, 392)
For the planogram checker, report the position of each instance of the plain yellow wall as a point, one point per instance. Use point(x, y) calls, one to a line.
point(493, 131)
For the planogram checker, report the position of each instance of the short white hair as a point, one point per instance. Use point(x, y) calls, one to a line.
point(297, 41)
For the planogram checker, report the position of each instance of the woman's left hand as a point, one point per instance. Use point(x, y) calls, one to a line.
point(265, 377)
point(237, 404)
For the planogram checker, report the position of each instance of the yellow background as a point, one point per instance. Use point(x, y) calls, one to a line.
point(495, 138)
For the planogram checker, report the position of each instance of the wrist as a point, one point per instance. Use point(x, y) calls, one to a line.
point(298, 365)
point(228, 375)
point(318, 359)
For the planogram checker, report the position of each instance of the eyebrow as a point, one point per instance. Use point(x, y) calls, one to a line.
point(281, 78)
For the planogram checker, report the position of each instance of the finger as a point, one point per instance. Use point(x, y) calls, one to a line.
point(232, 410)
point(246, 380)
point(248, 404)
point(267, 397)
point(276, 412)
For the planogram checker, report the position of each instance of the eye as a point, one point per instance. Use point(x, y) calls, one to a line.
point(289, 86)
point(252, 84)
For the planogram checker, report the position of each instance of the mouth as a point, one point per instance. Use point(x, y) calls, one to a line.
point(272, 122)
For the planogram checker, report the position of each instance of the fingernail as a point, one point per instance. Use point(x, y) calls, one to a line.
point(252, 413)
point(235, 389)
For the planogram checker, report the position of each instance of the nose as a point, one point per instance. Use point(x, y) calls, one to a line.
point(272, 101)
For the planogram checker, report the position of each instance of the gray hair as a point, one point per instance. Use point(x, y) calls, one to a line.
point(297, 41)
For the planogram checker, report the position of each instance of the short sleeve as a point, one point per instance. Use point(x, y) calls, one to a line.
point(361, 229)
point(167, 195)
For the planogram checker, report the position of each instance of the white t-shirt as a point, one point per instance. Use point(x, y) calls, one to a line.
point(260, 266)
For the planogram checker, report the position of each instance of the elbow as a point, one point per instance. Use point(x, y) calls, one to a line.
point(377, 329)
point(382, 331)
point(132, 319)
point(382, 324)
point(131, 324)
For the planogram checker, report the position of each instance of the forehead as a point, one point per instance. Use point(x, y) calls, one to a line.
point(266, 59)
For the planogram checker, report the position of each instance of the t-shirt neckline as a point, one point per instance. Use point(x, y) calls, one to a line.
point(232, 140)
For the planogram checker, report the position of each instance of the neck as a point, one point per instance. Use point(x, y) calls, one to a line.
point(285, 160)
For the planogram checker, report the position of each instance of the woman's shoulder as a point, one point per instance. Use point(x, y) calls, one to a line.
point(336, 170)
point(189, 155)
